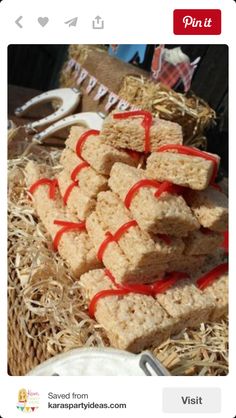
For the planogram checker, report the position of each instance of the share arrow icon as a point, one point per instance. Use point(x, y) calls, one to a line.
point(72, 22)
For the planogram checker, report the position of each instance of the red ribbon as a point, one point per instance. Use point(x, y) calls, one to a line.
point(152, 289)
point(78, 169)
point(181, 149)
point(52, 183)
point(66, 227)
point(146, 123)
point(82, 140)
point(113, 238)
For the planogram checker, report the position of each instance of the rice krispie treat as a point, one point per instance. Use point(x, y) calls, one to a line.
point(186, 263)
point(142, 267)
point(137, 244)
point(202, 242)
point(139, 131)
point(100, 155)
point(218, 291)
point(210, 207)
point(168, 247)
point(166, 214)
point(91, 182)
point(74, 245)
point(184, 170)
point(185, 303)
point(74, 197)
point(134, 321)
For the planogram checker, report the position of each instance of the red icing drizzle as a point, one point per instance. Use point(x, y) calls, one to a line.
point(114, 238)
point(83, 138)
point(66, 227)
point(52, 183)
point(146, 123)
point(152, 289)
point(211, 276)
point(69, 190)
point(78, 169)
point(181, 149)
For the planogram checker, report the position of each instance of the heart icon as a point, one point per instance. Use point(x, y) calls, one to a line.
point(43, 21)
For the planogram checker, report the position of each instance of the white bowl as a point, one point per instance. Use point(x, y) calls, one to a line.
point(100, 362)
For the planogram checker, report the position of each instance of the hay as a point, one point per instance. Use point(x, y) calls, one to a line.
point(80, 54)
point(47, 312)
point(191, 112)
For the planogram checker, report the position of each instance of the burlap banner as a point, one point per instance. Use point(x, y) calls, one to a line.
point(80, 74)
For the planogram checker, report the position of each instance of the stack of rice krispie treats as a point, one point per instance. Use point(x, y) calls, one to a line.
point(145, 243)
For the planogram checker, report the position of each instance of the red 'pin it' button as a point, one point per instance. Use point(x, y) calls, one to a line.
point(197, 22)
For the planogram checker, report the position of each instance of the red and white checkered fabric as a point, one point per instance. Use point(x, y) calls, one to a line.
point(169, 74)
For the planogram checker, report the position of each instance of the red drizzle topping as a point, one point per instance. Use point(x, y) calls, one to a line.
point(66, 227)
point(211, 276)
point(113, 238)
point(78, 169)
point(82, 140)
point(52, 183)
point(69, 190)
point(181, 149)
point(152, 289)
point(146, 124)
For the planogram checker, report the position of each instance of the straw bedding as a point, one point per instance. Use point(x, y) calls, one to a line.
point(190, 111)
point(47, 309)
